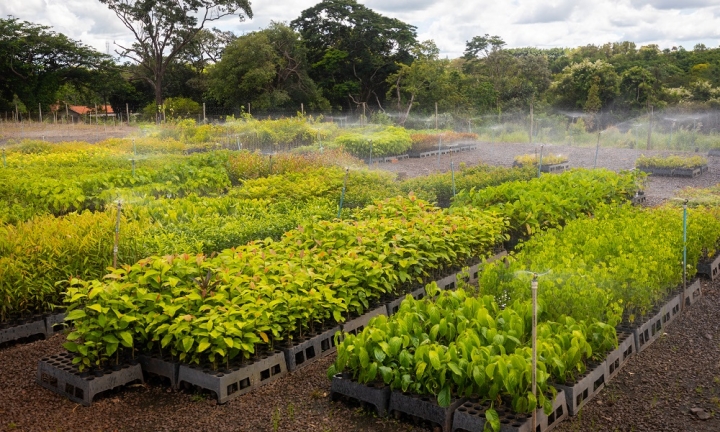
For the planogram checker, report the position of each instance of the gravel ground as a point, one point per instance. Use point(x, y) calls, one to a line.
point(63, 132)
point(654, 392)
point(658, 189)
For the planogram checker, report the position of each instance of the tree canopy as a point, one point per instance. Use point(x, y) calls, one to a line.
point(352, 50)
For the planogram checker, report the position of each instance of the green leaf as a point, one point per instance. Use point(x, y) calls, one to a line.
point(379, 354)
point(111, 339)
point(187, 343)
point(434, 359)
point(202, 346)
point(76, 314)
point(364, 358)
point(420, 369)
point(127, 339)
point(444, 396)
point(493, 419)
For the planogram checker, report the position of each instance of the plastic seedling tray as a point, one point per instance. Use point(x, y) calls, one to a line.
point(19, 331)
point(555, 168)
point(58, 374)
point(618, 357)
point(671, 309)
point(584, 388)
point(448, 282)
point(163, 367)
point(393, 306)
point(310, 349)
point(648, 331)
point(356, 325)
point(228, 385)
point(710, 269)
point(425, 407)
point(470, 416)
point(375, 395)
point(54, 323)
point(688, 172)
point(692, 293)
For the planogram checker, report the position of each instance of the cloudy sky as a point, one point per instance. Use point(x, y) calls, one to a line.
point(541, 23)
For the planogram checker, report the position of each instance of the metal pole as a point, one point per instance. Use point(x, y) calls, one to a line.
point(685, 217)
point(133, 167)
point(540, 160)
point(4, 161)
point(597, 149)
point(436, 116)
point(342, 196)
point(672, 126)
point(371, 146)
point(531, 121)
point(40, 112)
point(452, 170)
point(439, 149)
point(127, 112)
point(204, 118)
point(534, 288)
point(117, 234)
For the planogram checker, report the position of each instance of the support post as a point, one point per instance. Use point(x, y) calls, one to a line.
point(650, 120)
point(342, 196)
point(685, 217)
point(597, 149)
point(117, 234)
point(204, 118)
point(40, 112)
point(532, 103)
point(452, 170)
point(534, 288)
point(540, 160)
point(436, 116)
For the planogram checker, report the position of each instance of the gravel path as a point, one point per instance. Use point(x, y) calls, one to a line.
point(654, 392)
point(658, 189)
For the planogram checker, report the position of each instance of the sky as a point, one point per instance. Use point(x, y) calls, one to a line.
point(450, 23)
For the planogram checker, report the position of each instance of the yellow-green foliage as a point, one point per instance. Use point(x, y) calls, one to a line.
point(532, 159)
point(672, 161)
point(385, 141)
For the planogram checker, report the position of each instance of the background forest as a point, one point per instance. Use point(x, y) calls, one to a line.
point(340, 58)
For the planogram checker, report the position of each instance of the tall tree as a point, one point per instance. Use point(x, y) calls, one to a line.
point(423, 82)
point(353, 49)
point(163, 29)
point(35, 62)
point(268, 69)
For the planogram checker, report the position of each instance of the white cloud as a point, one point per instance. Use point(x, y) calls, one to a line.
point(450, 23)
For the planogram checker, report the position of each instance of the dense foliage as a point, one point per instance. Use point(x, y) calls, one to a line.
point(551, 200)
point(213, 309)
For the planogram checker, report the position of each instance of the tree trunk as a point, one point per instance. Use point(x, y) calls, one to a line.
point(158, 92)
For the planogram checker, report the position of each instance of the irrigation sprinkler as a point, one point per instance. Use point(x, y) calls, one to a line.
point(342, 196)
point(540, 160)
point(117, 233)
point(597, 149)
point(371, 148)
point(452, 170)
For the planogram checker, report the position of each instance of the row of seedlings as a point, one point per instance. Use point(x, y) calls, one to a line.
point(661, 243)
point(224, 319)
